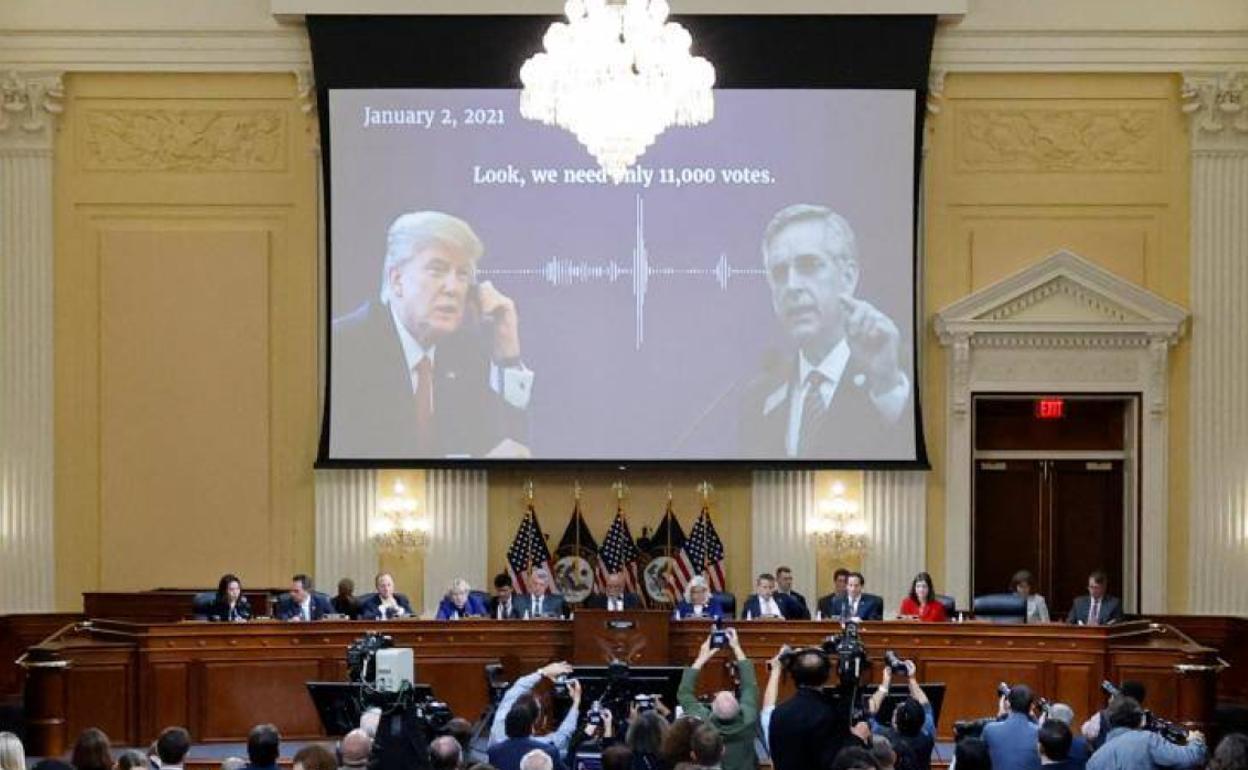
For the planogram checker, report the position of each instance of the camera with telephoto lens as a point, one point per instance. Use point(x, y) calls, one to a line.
point(973, 728)
point(1168, 730)
point(360, 656)
point(894, 663)
point(851, 655)
point(595, 715)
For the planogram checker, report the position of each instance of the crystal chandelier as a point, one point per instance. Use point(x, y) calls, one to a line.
point(838, 528)
point(398, 528)
point(616, 76)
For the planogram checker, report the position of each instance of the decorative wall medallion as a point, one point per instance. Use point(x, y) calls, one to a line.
point(183, 140)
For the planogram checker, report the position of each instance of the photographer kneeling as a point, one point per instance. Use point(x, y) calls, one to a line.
point(521, 694)
point(733, 719)
point(1130, 747)
point(912, 732)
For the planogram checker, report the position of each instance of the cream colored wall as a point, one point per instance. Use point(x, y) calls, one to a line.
point(185, 322)
point(1020, 166)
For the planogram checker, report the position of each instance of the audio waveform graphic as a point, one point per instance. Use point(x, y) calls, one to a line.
point(563, 272)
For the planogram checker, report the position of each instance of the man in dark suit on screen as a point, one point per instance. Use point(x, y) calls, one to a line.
point(433, 368)
point(840, 391)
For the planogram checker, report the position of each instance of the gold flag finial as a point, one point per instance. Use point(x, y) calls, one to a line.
point(621, 490)
point(705, 488)
point(669, 491)
point(528, 491)
point(576, 490)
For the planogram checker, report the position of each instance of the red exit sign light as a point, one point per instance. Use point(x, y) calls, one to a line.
point(1050, 408)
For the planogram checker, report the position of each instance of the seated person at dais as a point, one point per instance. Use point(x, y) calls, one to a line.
point(921, 602)
point(385, 604)
point(460, 603)
point(698, 602)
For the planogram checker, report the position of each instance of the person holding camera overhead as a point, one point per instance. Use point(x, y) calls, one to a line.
point(1130, 747)
point(912, 730)
point(1012, 741)
point(732, 717)
point(520, 695)
point(808, 729)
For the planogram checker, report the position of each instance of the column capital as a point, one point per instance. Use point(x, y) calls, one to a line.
point(1216, 104)
point(29, 104)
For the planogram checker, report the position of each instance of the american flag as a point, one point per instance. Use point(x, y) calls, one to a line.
point(528, 551)
point(703, 554)
point(619, 554)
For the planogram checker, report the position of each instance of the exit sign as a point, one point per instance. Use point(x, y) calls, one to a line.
point(1050, 408)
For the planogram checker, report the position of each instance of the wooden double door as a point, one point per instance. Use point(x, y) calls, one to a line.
point(1058, 519)
point(1051, 497)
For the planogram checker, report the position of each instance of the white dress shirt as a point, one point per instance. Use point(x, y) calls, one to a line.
point(832, 367)
point(514, 383)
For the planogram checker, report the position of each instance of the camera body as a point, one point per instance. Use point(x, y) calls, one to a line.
point(644, 702)
point(595, 715)
point(719, 637)
point(894, 663)
point(361, 654)
point(1171, 731)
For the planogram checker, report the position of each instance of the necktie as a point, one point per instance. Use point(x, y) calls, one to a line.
point(537, 608)
point(853, 609)
point(305, 612)
point(422, 374)
point(1094, 613)
point(812, 411)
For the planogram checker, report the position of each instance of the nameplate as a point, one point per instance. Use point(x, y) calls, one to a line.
point(621, 625)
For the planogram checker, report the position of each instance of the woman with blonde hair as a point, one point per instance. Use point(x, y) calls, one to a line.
point(460, 603)
point(12, 755)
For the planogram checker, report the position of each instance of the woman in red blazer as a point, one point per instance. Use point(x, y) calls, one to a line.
point(921, 603)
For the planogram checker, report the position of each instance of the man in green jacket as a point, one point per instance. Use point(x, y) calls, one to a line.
point(736, 720)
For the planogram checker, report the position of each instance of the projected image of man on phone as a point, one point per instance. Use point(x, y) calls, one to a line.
point(841, 390)
point(432, 368)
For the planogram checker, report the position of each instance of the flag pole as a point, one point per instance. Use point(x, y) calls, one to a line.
point(528, 512)
point(705, 488)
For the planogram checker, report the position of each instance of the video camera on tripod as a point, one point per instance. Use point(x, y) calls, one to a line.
point(1168, 730)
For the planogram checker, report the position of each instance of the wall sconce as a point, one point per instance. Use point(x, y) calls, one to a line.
point(838, 528)
point(397, 527)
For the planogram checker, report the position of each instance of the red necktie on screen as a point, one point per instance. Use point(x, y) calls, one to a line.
point(422, 373)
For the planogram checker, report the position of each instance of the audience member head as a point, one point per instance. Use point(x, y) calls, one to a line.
point(536, 760)
point(539, 582)
point(370, 720)
point(91, 751)
point(445, 753)
point(1098, 582)
point(346, 588)
point(706, 746)
point(675, 748)
point(1124, 711)
point(645, 733)
point(908, 717)
point(1231, 753)
point(503, 587)
point(1134, 689)
point(530, 702)
point(12, 754)
point(725, 706)
point(854, 584)
point(856, 758)
point(355, 747)
point(172, 745)
point(1062, 713)
point(263, 744)
point(840, 579)
point(972, 754)
point(130, 759)
point(617, 757)
point(229, 588)
point(1020, 699)
point(461, 730)
point(698, 592)
point(883, 752)
point(519, 721)
point(784, 579)
point(810, 669)
point(315, 757)
point(922, 589)
point(1021, 583)
point(765, 585)
point(1054, 738)
point(233, 763)
point(458, 592)
point(300, 587)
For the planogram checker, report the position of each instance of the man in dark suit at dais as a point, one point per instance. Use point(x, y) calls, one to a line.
point(432, 368)
point(840, 390)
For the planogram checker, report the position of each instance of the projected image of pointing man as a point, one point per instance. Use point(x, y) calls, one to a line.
point(432, 368)
point(840, 391)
